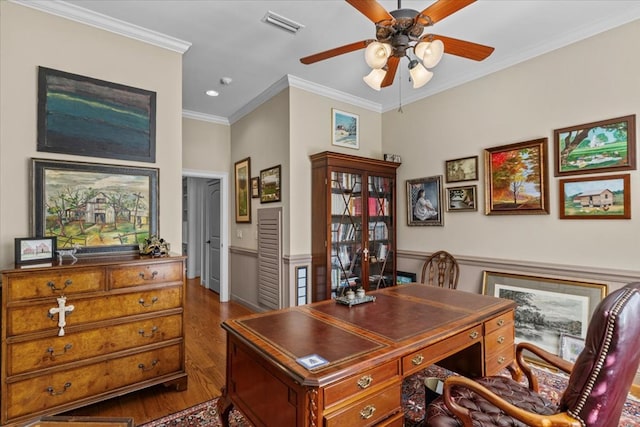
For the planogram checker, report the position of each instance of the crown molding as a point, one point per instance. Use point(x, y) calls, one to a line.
point(188, 114)
point(266, 95)
point(103, 22)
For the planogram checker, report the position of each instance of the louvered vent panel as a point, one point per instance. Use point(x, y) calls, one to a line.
point(269, 258)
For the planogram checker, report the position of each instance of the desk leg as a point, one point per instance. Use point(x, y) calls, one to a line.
point(224, 407)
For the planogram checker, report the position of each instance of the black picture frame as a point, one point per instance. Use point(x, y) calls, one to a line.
point(94, 195)
point(90, 117)
point(31, 250)
point(404, 277)
point(270, 184)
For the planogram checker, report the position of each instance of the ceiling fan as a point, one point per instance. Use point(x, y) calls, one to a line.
point(397, 34)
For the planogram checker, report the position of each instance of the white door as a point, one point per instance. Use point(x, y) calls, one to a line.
point(213, 242)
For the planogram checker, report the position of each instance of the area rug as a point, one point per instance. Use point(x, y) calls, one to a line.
point(551, 386)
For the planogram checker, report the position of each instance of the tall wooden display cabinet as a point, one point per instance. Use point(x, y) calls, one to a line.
point(353, 224)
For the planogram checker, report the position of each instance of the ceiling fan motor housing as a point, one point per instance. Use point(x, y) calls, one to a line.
point(403, 29)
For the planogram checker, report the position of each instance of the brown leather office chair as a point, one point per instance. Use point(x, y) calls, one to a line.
point(440, 269)
point(597, 389)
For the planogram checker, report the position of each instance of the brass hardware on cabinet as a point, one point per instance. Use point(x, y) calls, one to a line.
point(153, 301)
point(500, 339)
point(473, 335)
point(145, 369)
point(153, 332)
point(153, 275)
point(52, 354)
point(501, 360)
point(500, 322)
point(365, 381)
point(417, 360)
point(367, 412)
point(53, 287)
point(52, 392)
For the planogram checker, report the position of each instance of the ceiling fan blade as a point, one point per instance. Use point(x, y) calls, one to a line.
point(392, 67)
point(443, 8)
point(462, 48)
point(335, 52)
point(371, 9)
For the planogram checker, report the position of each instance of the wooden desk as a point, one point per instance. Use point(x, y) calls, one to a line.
point(370, 348)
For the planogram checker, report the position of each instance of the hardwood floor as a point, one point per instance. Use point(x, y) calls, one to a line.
point(205, 362)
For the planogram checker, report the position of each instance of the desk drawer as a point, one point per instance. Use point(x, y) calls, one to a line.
point(359, 383)
point(23, 286)
point(498, 340)
point(425, 356)
point(144, 274)
point(369, 410)
point(499, 361)
point(498, 322)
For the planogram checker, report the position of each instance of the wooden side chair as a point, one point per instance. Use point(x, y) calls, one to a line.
point(596, 391)
point(440, 269)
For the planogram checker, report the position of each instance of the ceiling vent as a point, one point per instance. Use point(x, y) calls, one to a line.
point(282, 22)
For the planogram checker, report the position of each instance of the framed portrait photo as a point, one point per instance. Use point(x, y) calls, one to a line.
point(270, 184)
point(424, 201)
point(516, 179)
point(604, 146)
point(465, 169)
point(461, 199)
point(30, 250)
point(599, 197)
point(243, 192)
point(345, 129)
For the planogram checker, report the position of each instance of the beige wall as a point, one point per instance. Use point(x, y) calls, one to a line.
point(29, 39)
point(205, 146)
point(591, 80)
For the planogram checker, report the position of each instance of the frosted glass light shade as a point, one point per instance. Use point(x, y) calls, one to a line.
point(420, 76)
point(429, 52)
point(374, 78)
point(376, 54)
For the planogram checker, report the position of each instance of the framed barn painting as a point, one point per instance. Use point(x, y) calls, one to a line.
point(100, 208)
point(516, 179)
point(600, 197)
point(90, 117)
point(604, 146)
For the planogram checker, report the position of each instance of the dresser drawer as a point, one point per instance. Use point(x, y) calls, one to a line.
point(52, 284)
point(53, 351)
point(498, 322)
point(35, 317)
point(359, 383)
point(424, 357)
point(369, 410)
point(137, 275)
point(40, 393)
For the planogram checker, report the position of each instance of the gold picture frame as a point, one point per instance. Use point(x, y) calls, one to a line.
point(243, 190)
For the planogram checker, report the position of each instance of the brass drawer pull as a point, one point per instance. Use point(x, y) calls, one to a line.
point(153, 275)
point(52, 353)
point(501, 360)
point(142, 303)
point(417, 360)
point(52, 392)
point(53, 287)
point(500, 339)
point(367, 412)
point(500, 322)
point(473, 335)
point(153, 332)
point(365, 381)
point(145, 369)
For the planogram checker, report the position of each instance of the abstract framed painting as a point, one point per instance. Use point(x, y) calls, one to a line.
point(90, 117)
point(100, 208)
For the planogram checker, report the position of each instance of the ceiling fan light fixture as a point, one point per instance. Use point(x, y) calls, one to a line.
point(432, 53)
point(374, 78)
point(376, 54)
point(420, 76)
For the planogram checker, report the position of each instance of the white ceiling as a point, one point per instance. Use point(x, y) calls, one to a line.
point(229, 39)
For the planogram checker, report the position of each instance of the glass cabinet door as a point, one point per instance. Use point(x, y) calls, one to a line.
point(380, 232)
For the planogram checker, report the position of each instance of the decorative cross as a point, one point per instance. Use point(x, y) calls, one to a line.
point(62, 311)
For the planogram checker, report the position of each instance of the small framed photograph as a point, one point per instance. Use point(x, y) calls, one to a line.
point(345, 130)
point(604, 146)
point(601, 197)
point(424, 201)
point(31, 250)
point(465, 169)
point(270, 185)
point(461, 199)
point(255, 187)
point(570, 347)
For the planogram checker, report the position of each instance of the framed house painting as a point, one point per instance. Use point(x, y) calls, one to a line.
point(516, 179)
point(596, 197)
point(99, 208)
point(465, 169)
point(270, 184)
point(345, 129)
point(243, 192)
point(31, 250)
point(424, 201)
point(90, 117)
point(604, 146)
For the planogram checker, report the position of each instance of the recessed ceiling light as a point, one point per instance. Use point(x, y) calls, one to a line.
point(212, 92)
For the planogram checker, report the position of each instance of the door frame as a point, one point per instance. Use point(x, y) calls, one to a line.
point(224, 224)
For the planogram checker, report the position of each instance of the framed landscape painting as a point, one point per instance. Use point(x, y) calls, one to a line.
point(270, 185)
point(516, 179)
point(243, 191)
point(465, 169)
point(345, 129)
point(599, 197)
point(604, 146)
point(100, 208)
point(547, 308)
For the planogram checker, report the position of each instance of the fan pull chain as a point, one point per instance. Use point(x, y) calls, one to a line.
point(400, 96)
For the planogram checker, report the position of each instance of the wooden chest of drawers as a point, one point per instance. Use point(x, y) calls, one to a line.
point(76, 334)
